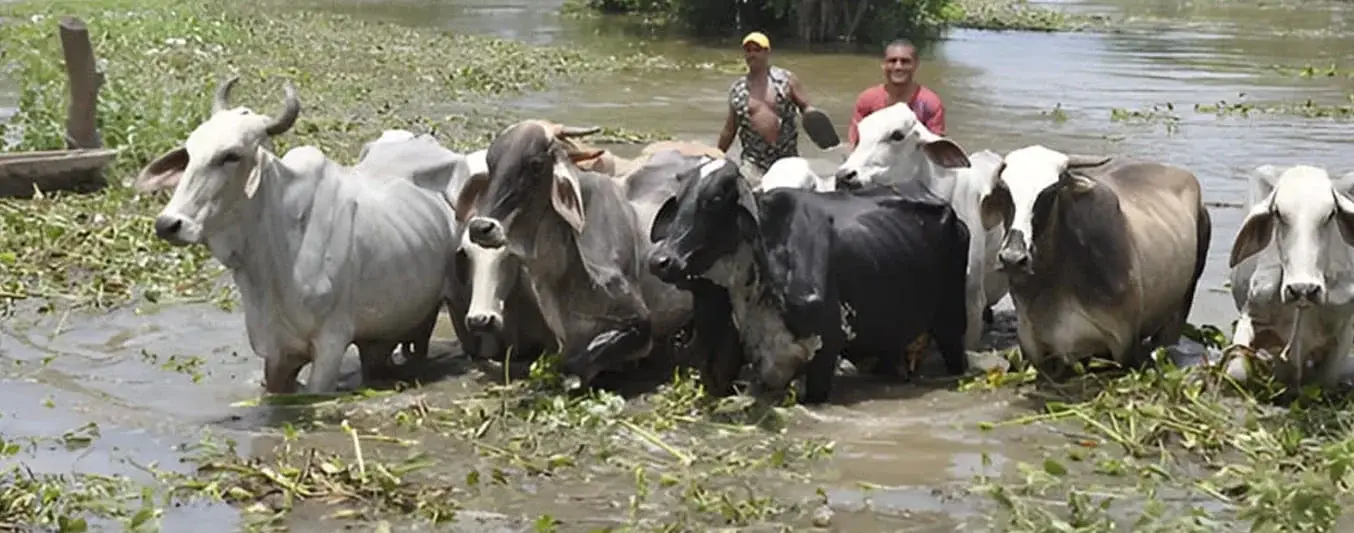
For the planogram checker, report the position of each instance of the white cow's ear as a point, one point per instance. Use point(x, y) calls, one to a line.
point(566, 196)
point(940, 150)
point(164, 172)
point(1263, 180)
point(1344, 216)
point(1256, 232)
point(251, 185)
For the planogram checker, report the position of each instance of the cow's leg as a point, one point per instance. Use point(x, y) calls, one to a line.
point(1338, 366)
point(1236, 356)
point(376, 359)
point(916, 352)
point(988, 316)
point(949, 329)
point(822, 368)
point(280, 370)
point(716, 344)
point(326, 351)
point(976, 298)
point(416, 349)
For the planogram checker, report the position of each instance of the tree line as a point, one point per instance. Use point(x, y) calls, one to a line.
point(815, 21)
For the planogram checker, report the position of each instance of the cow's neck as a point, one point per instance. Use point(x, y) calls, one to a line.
point(261, 243)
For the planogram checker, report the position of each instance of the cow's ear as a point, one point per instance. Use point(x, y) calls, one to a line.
point(470, 193)
point(1344, 216)
point(945, 153)
point(566, 196)
point(998, 207)
point(164, 172)
point(1256, 232)
point(663, 220)
point(1076, 184)
point(251, 185)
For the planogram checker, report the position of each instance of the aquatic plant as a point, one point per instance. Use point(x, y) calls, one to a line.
point(1172, 449)
point(161, 61)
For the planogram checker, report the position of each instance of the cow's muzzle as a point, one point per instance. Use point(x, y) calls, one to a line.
point(486, 232)
point(484, 323)
point(847, 178)
point(170, 229)
point(1014, 256)
point(667, 266)
point(1303, 293)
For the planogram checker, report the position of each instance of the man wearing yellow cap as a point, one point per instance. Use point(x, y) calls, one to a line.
point(762, 108)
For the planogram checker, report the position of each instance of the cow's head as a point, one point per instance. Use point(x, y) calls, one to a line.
point(894, 146)
point(712, 215)
point(1306, 215)
point(528, 166)
point(491, 274)
point(1030, 181)
point(216, 167)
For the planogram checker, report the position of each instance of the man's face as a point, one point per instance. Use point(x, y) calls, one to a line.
point(754, 54)
point(900, 63)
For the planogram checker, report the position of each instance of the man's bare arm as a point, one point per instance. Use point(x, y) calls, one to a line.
point(730, 128)
point(798, 95)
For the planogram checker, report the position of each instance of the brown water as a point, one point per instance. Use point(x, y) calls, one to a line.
point(998, 88)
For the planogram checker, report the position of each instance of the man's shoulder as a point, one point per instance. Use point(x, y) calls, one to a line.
point(925, 94)
point(874, 95)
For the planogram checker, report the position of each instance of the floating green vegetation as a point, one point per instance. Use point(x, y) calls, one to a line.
point(1172, 449)
point(1156, 114)
point(1312, 71)
point(672, 460)
point(163, 59)
point(1020, 15)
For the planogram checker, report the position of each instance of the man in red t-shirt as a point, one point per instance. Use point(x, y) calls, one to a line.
point(900, 85)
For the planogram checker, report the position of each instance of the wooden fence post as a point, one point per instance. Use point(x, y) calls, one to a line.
point(85, 81)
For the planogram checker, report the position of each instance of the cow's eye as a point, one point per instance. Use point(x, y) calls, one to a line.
point(897, 135)
point(229, 157)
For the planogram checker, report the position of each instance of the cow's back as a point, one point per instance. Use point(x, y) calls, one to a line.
point(1168, 228)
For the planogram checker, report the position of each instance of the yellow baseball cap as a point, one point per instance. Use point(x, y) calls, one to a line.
point(759, 38)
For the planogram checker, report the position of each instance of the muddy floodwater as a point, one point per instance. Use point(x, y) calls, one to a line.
point(153, 381)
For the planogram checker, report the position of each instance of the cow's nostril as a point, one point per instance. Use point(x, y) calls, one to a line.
point(166, 227)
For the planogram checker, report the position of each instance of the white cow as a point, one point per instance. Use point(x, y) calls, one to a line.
point(895, 147)
point(794, 173)
point(322, 257)
point(1293, 274)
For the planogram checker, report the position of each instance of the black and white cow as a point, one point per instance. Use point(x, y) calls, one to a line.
point(811, 274)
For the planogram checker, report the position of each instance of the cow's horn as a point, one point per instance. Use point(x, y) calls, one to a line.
point(291, 110)
point(222, 100)
point(1083, 160)
point(576, 131)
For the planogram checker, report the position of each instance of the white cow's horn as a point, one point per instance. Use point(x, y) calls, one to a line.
point(292, 109)
point(222, 100)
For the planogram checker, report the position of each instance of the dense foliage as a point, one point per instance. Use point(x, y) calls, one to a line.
point(871, 21)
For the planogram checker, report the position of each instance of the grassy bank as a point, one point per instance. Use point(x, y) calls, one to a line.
point(163, 60)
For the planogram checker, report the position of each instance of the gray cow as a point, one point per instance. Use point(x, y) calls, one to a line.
point(580, 242)
point(322, 257)
point(1100, 253)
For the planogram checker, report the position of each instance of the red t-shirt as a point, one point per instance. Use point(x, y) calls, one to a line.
point(925, 103)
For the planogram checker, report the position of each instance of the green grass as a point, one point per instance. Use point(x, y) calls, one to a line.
point(163, 60)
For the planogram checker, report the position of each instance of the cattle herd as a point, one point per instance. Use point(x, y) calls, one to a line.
point(540, 243)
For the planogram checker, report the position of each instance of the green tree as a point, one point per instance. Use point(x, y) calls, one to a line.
point(868, 21)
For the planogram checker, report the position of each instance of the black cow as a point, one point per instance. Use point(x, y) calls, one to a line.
point(810, 275)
